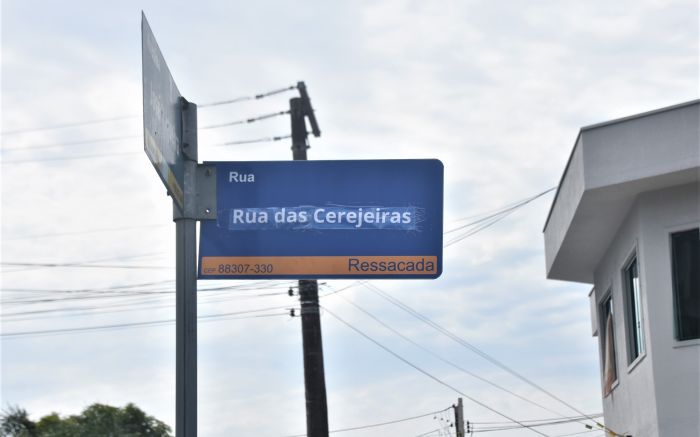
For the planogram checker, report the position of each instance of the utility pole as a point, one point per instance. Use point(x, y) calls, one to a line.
point(459, 418)
point(314, 374)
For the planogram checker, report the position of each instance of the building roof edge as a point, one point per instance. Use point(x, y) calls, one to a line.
point(603, 124)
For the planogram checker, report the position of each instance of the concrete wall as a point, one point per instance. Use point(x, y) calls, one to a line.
point(659, 393)
point(676, 364)
point(661, 143)
point(631, 406)
point(567, 199)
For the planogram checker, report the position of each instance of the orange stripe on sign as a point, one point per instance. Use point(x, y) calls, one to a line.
point(318, 265)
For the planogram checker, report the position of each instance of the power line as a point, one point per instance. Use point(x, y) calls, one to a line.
point(500, 211)
point(246, 98)
point(581, 432)
point(128, 137)
point(132, 116)
point(69, 124)
point(123, 292)
point(375, 425)
point(257, 285)
point(72, 143)
point(245, 120)
point(86, 290)
point(429, 375)
point(491, 219)
point(36, 266)
point(565, 418)
point(68, 158)
point(446, 361)
point(82, 265)
point(131, 305)
point(481, 214)
point(258, 140)
point(89, 231)
point(425, 434)
point(478, 229)
point(107, 155)
point(10, 335)
point(469, 346)
point(533, 423)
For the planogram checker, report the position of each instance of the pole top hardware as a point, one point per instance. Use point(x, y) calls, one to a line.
point(307, 109)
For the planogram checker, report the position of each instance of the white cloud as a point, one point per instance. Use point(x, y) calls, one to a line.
point(497, 91)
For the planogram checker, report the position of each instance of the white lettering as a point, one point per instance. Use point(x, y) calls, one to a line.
point(234, 176)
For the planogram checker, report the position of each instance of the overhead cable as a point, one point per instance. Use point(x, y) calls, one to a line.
point(132, 116)
point(127, 137)
point(246, 120)
point(9, 335)
point(448, 362)
point(85, 231)
point(489, 220)
point(258, 140)
point(428, 374)
point(375, 425)
point(72, 143)
point(470, 346)
point(246, 98)
point(68, 158)
point(69, 124)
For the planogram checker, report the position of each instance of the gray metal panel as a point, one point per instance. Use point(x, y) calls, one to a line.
point(162, 118)
point(205, 202)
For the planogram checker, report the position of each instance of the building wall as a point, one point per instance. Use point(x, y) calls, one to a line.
point(676, 364)
point(659, 393)
point(630, 407)
point(568, 197)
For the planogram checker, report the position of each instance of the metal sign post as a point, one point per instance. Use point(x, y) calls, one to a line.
point(186, 284)
point(170, 141)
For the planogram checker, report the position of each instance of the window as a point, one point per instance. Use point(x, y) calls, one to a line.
point(685, 253)
point(607, 339)
point(635, 330)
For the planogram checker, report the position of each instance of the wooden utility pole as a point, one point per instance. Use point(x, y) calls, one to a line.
point(459, 418)
point(314, 374)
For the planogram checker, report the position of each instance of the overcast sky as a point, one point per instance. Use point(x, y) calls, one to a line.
point(497, 90)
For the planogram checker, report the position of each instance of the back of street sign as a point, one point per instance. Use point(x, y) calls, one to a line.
point(162, 116)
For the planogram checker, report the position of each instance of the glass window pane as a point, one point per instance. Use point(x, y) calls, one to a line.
point(686, 283)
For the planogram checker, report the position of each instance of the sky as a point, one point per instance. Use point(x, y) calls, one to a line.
point(496, 90)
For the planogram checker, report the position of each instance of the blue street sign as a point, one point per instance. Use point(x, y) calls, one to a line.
point(325, 219)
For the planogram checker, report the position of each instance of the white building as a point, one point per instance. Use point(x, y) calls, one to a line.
point(626, 219)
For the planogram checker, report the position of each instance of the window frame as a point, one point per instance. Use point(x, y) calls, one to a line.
point(633, 311)
point(604, 303)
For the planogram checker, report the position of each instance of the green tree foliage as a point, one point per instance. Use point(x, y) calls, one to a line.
point(15, 422)
point(97, 420)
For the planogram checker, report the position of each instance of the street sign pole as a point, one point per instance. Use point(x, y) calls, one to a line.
point(186, 328)
point(186, 282)
point(314, 373)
